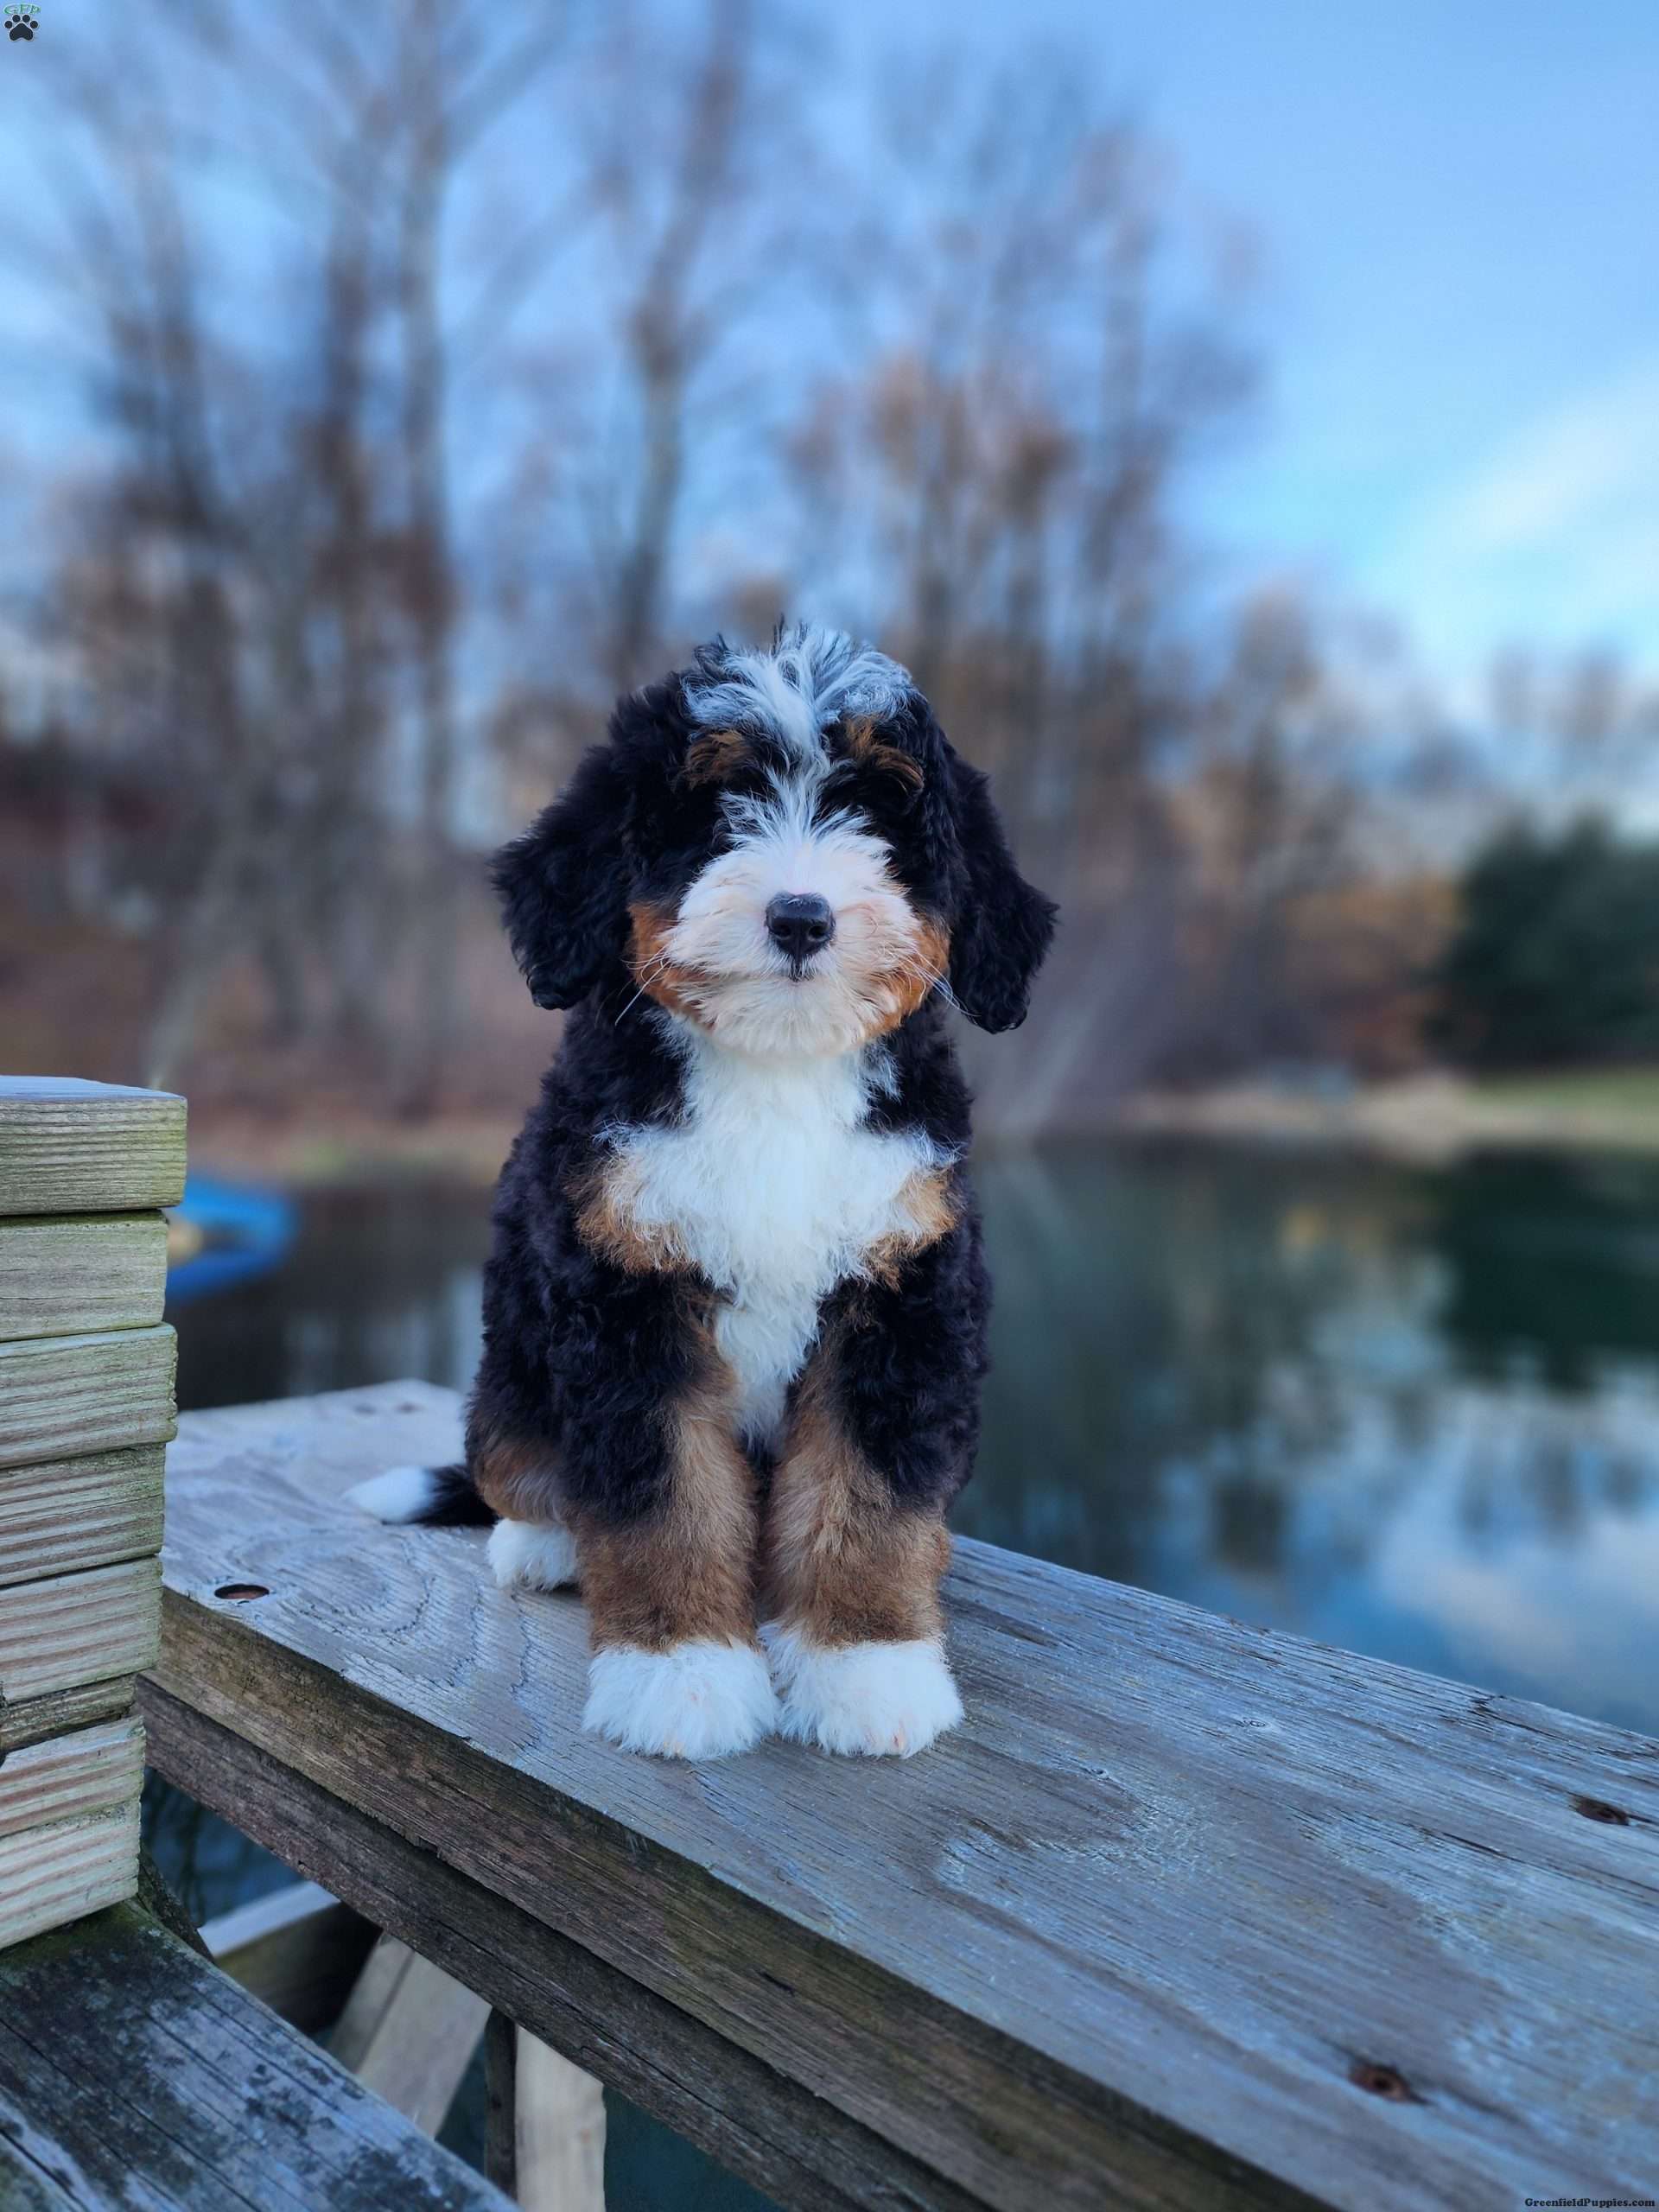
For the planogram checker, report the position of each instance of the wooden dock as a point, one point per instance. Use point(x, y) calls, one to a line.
point(1185, 1915)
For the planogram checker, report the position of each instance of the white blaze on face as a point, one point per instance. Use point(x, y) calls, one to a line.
point(876, 967)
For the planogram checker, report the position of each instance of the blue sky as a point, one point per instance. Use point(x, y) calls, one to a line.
point(1458, 210)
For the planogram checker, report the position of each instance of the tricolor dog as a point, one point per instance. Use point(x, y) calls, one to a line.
point(735, 1308)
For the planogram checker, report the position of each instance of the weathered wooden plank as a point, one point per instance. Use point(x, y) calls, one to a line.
point(85, 1705)
point(61, 1397)
point(157, 1900)
point(501, 2102)
point(69, 1777)
point(68, 1147)
point(134, 2074)
point(1186, 1915)
point(62, 1873)
point(69, 1826)
point(78, 1627)
point(298, 1950)
point(71, 1513)
point(409, 2033)
point(75, 1275)
point(559, 2114)
point(25, 2187)
point(800, 2151)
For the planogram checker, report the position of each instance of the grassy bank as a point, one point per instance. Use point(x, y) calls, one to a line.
point(1428, 1116)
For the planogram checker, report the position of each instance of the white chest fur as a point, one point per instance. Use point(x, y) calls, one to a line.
point(775, 1191)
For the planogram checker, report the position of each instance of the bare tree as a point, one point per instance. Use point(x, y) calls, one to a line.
point(284, 539)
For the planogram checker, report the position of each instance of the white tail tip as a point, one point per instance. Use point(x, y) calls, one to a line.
point(401, 1494)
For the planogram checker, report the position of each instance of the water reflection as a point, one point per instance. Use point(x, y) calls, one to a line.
point(1415, 1413)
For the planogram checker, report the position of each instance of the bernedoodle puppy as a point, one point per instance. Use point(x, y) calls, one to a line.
point(734, 1312)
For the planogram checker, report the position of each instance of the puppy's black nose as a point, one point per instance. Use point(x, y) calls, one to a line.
point(800, 924)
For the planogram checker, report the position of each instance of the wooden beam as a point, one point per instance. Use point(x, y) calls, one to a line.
point(96, 1510)
point(84, 1706)
point(409, 2032)
point(560, 2130)
point(797, 2150)
point(71, 1777)
point(87, 1374)
point(298, 1950)
point(1186, 1915)
point(501, 2102)
point(63, 1397)
point(78, 1627)
point(76, 1274)
point(48, 1876)
point(69, 1146)
point(133, 2073)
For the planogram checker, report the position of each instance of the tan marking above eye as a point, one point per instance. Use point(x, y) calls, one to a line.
point(867, 750)
point(716, 758)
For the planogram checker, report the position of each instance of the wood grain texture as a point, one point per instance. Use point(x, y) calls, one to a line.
point(64, 1871)
point(71, 1513)
point(409, 2032)
point(61, 1397)
point(78, 1627)
point(559, 2129)
point(86, 1704)
point(75, 1274)
point(298, 1950)
point(96, 1770)
point(501, 2102)
point(68, 1147)
point(765, 2126)
point(1138, 1932)
point(134, 2074)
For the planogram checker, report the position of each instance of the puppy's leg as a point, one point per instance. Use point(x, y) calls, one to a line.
point(512, 1461)
point(854, 1542)
point(666, 1548)
point(607, 1445)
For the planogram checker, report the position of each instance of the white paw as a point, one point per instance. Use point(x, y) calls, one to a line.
point(694, 1701)
point(533, 1554)
point(883, 1699)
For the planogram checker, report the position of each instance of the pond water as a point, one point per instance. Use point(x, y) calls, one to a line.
point(1411, 1411)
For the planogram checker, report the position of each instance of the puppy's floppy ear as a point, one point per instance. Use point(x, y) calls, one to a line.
point(1002, 926)
point(563, 885)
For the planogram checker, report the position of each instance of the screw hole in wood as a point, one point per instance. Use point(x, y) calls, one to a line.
point(1598, 1808)
point(1382, 2082)
point(239, 1592)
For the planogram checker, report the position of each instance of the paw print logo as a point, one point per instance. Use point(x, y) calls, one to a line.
point(22, 23)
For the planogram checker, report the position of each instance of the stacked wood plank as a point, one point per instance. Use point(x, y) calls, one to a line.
point(86, 1407)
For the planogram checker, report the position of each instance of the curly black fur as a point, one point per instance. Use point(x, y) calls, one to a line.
point(581, 1354)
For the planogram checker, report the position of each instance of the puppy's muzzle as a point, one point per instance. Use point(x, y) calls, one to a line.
point(800, 925)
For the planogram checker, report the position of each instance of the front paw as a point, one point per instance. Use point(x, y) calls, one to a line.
point(532, 1556)
point(693, 1701)
point(883, 1700)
